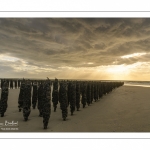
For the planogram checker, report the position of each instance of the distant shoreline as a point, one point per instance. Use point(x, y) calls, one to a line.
point(136, 85)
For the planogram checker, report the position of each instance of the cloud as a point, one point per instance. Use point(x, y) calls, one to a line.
point(53, 44)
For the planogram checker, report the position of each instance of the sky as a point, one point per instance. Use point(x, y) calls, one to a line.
point(75, 48)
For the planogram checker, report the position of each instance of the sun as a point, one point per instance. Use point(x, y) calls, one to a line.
point(121, 69)
point(118, 72)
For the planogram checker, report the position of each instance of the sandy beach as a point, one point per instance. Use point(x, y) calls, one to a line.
point(125, 109)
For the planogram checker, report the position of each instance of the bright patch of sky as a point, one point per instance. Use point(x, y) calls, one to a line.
point(133, 55)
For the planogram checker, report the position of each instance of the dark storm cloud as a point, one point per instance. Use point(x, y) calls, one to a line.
point(74, 42)
point(99, 46)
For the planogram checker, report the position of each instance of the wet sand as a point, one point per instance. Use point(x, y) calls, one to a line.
point(125, 109)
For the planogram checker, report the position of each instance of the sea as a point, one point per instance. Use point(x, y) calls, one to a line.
point(133, 83)
point(137, 83)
